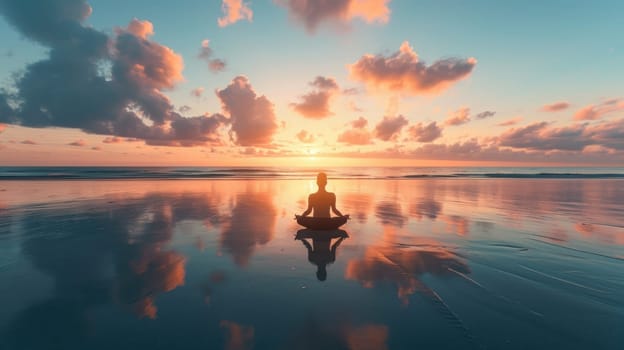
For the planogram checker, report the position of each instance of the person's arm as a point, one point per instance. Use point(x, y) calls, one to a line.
point(333, 206)
point(309, 210)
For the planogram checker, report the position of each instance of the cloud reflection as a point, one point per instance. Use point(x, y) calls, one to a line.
point(403, 265)
point(252, 222)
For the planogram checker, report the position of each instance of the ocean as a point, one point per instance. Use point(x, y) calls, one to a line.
point(212, 258)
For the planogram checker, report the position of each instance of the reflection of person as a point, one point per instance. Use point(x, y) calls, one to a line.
point(321, 252)
point(321, 201)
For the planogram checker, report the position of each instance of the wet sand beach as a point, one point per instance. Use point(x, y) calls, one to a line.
point(445, 263)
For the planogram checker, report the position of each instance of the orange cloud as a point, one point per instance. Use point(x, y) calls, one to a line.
point(234, 11)
point(2, 127)
point(510, 122)
point(141, 29)
point(252, 117)
point(425, 133)
point(390, 127)
point(305, 137)
point(148, 63)
point(113, 139)
point(28, 142)
point(593, 112)
point(311, 13)
point(358, 134)
point(403, 72)
point(78, 143)
point(197, 92)
point(555, 107)
point(315, 104)
point(459, 117)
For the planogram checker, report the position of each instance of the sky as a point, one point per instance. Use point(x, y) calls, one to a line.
point(311, 82)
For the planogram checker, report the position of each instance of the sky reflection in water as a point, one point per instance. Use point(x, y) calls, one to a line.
point(439, 263)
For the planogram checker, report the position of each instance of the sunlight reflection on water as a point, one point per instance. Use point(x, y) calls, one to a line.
point(497, 263)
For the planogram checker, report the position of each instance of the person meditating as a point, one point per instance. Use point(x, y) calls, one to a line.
point(321, 201)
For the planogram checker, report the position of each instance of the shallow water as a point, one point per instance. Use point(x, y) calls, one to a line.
point(220, 264)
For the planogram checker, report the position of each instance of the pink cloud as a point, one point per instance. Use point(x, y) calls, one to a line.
point(593, 112)
point(355, 137)
point(234, 11)
point(403, 72)
point(311, 13)
point(390, 127)
point(141, 29)
point(217, 65)
point(358, 134)
point(252, 117)
point(359, 123)
point(305, 136)
point(510, 122)
point(147, 63)
point(205, 54)
point(113, 139)
point(197, 92)
point(556, 107)
point(425, 133)
point(78, 143)
point(459, 117)
point(315, 104)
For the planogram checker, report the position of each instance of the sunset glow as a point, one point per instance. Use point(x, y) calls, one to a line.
point(357, 83)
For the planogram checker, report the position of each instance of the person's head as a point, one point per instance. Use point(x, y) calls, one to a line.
point(321, 179)
point(321, 273)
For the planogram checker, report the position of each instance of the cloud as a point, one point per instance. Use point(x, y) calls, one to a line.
point(28, 142)
point(312, 13)
point(510, 122)
point(539, 136)
point(205, 54)
point(359, 123)
point(113, 139)
point(485, 114)
point(234, 11)
point(217, 65)
point(555, 107)
point(358, 134)
point(252, 117)
point(593, 112)
point(78, 143)
point(70, 88)
point(459, 117)
point(305, 137)
point(404, 73)
point(424, 133)
point(2, 127)
point(315, 104)
point(197, 92)
point(390, 127)
point(96, 148)
point(240, 237)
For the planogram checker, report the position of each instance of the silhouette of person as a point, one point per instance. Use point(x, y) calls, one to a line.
point(321, 201)
point(321, 252)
